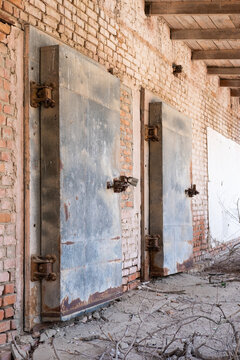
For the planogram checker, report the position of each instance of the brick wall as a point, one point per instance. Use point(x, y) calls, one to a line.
point(130, 224)
point(8, 175)
point(139, 51)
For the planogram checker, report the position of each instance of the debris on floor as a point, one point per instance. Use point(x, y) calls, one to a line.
point(183, 316)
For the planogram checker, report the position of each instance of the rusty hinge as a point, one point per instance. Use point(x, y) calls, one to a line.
point(41, 94)
point(151, 133)
point(192, 191)
point(42, 268)
point(153, 242)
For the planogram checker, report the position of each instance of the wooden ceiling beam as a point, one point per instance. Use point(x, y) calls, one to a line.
point(216, 54)
point(209, 34)
point(214, 7)
point(232, 83)
point(212, 70)
point(235, 92)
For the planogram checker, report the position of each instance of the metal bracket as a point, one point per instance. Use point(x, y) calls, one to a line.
point(192, 191)
point(153, 242)
point(177, 69)
point(121, 184)
point(41, 94)
point(151, 133)
point(42, 268)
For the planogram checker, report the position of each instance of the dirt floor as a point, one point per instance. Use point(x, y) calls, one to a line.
point(185, 316)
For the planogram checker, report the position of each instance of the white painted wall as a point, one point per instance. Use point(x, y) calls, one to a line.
point(223, 188)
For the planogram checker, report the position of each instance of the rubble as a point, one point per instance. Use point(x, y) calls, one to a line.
point(184, 316)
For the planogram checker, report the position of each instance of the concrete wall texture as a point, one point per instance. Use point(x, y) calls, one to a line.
point(138, 50)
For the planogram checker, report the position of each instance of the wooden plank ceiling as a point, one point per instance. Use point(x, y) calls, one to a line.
point(212, 31)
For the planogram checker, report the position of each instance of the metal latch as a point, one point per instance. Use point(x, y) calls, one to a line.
point(42, 268)
point(192, 191)
point(41, 94)
point(121, 184)
point(153, 242)
point(151, 133)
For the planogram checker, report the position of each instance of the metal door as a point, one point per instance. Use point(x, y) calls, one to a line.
point(170, 218)
point(80, 217)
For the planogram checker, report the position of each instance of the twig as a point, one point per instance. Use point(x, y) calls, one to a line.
point(54, 349)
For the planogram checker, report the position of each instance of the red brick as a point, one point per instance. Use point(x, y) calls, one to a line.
point(11, 335)
point(5, 28)
point(6, 85)
point(9, 299)
point(4, 356)
point(18, 3)
point(4, 156)
point(8, 7)
point(3, 38)
point(132, 277)
point(8, 109)
point(4, 276)
point(5, 218)
point(133, 284)
point(2, 119)
point(1, 314)
point(7, 133)
point(9, 288)
point(13, 325)
point(8, 312)
point(9, 264)
point(4, 326)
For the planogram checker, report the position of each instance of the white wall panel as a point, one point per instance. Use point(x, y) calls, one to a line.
point(223, 188)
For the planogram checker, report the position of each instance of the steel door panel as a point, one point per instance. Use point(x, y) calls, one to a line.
point(170, 175)
point(80, 140)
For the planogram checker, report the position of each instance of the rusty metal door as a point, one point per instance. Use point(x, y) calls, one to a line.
point(80, 217)
point(170, 216)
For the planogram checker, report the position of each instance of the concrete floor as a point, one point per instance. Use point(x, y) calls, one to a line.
point(178, 317)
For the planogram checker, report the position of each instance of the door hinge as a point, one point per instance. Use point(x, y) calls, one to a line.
point(41, 94)
point(42, 268)
point(153, 242)
point(151, 133)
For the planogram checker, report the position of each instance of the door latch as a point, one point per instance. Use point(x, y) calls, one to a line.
point(41, 94)
point(152, 133)
point(192, 191)
point(153, 242)
point(42, 268)
point(121, 184)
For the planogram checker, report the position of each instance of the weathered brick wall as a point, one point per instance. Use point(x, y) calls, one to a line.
point(139, 51)
point(8, 176)
point(130, 224)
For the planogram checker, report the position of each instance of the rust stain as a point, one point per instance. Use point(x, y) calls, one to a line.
point(68, 243)
point(61, 165)
point(191, 180)
point(115, 261)
point(186, 265)
point(34, 301)
point(94, 299)
point(158, 272)
point(66, 211)
point(116, 238)
point(76, 197)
